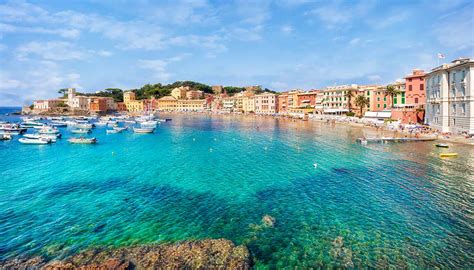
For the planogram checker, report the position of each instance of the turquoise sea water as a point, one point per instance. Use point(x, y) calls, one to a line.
point(216, 177)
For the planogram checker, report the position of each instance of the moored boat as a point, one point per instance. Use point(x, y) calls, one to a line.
point(51, 137)
point(81, 131)
point(120, 129)
point(48, 130)
point(5, 137)
point(34, 141)
point(448, 155)
point(83, 140)
point(143, 130)
point(442, 145)
point(112, 131)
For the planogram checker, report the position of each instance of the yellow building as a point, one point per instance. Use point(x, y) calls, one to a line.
point(167, 103)
point(187, 105)
point(180, 92)
point(248, 104)
point(131, 103)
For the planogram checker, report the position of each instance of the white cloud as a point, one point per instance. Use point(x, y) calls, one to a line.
point(354, 41)
point(51, 50)
point(336, 14)
point(456, 30)
point(286, 29)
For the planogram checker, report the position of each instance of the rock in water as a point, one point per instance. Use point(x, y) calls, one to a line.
point(268, 221)
point(208, 254)
point(342, 255)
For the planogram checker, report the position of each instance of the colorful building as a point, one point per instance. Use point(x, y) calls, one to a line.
point(98, 105)
point(266, 103)
point(335, 100)
point(450, 97)
point(415, 88)
point(248, 104)
point(194, 94)
point(47, 105)
point(167, 103)
point(180, 92)
point(132, 104)
point(283, 103)
point(190, 105)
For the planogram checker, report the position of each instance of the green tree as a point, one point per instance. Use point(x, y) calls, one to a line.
point(391, 91)
point(349, 95)
point(361, 101)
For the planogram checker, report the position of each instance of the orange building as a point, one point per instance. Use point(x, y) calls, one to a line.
point(283, 103)
point(307, 98)
point(415, 88)
point(121, 107)
point(98, 104)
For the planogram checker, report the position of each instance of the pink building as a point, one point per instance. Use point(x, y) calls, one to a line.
point(415, 88)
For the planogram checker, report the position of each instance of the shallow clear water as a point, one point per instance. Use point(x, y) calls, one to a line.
point(201, 177)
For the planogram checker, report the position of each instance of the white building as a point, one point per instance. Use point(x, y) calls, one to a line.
point(46, 105)
point(77, 102)
point(450, 97)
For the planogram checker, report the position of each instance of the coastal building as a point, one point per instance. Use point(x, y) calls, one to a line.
point(248, 104)
point(229, 104)
point(335, 100)
point(77, 102)
point(266, 103)
point(450, 97)
point(47, 105)
point(132, 104)
point(190, 105)
point(415, 88)
point(180, 92)
point(378, 98)
point(98, 105)
point(194, 94)
point(167, 103)
point(400, 99)
point(121, 107)
point(283, 103)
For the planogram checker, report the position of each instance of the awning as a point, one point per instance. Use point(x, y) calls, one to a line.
point(378, 114)
point(335, 110)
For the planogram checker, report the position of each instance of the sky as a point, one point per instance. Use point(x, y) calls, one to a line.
point(282, 44)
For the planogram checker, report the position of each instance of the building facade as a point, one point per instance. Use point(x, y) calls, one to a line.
point(77, 102)
point(266, 103)
point(248, 104)
point(415, 92)
point(190, 105)
point(46, 105)
point(450, 97)
point(132, 104)
point(167, 103)
point(335, 100)
point(180, 92)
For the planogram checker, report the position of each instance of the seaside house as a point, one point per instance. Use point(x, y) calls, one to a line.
point(98, 105)
point(167, 103)
point(132, 104)
point(283, 103)
point(77, 103)
point(180, 92)
point(266, 103)
point(335, 100)
point(248, 104)
point(46, 105)
point(415, 88)
point(191, 105)
point(450, 97)
point(194, 94)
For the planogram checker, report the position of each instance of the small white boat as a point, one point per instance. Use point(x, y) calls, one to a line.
point(120, 129)
point(48, 130)
point(129, 121)
point(83, 140)
point(143, 130)
point(32, 124)
point(59, 123)
point(5, 137)
point(112, 131)
point(40, 136)
point(84, 126)
point(149, 124)
point(9, 133)
point(101, 123)
point(80, 131)
point(34, 141)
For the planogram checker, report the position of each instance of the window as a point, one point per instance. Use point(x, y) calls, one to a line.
point(454, 108)
point(378, 105)
point(378, 99)
point(422, 87)
point(384, 98)
point(410, 87)
point(385, 105)
point(463, 108)
point(463, 75)
point(454, 76)
point(395, 100)
point(409, 80)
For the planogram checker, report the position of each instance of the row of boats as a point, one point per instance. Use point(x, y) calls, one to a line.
point(46, 133)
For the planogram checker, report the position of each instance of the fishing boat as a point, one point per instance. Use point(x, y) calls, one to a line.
point(40, 136)
point(83, 140)
point(81, 131)
point(48, 130)
point(442, 145)
point(143, 130)
point(448, 155)
point(34, 141)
